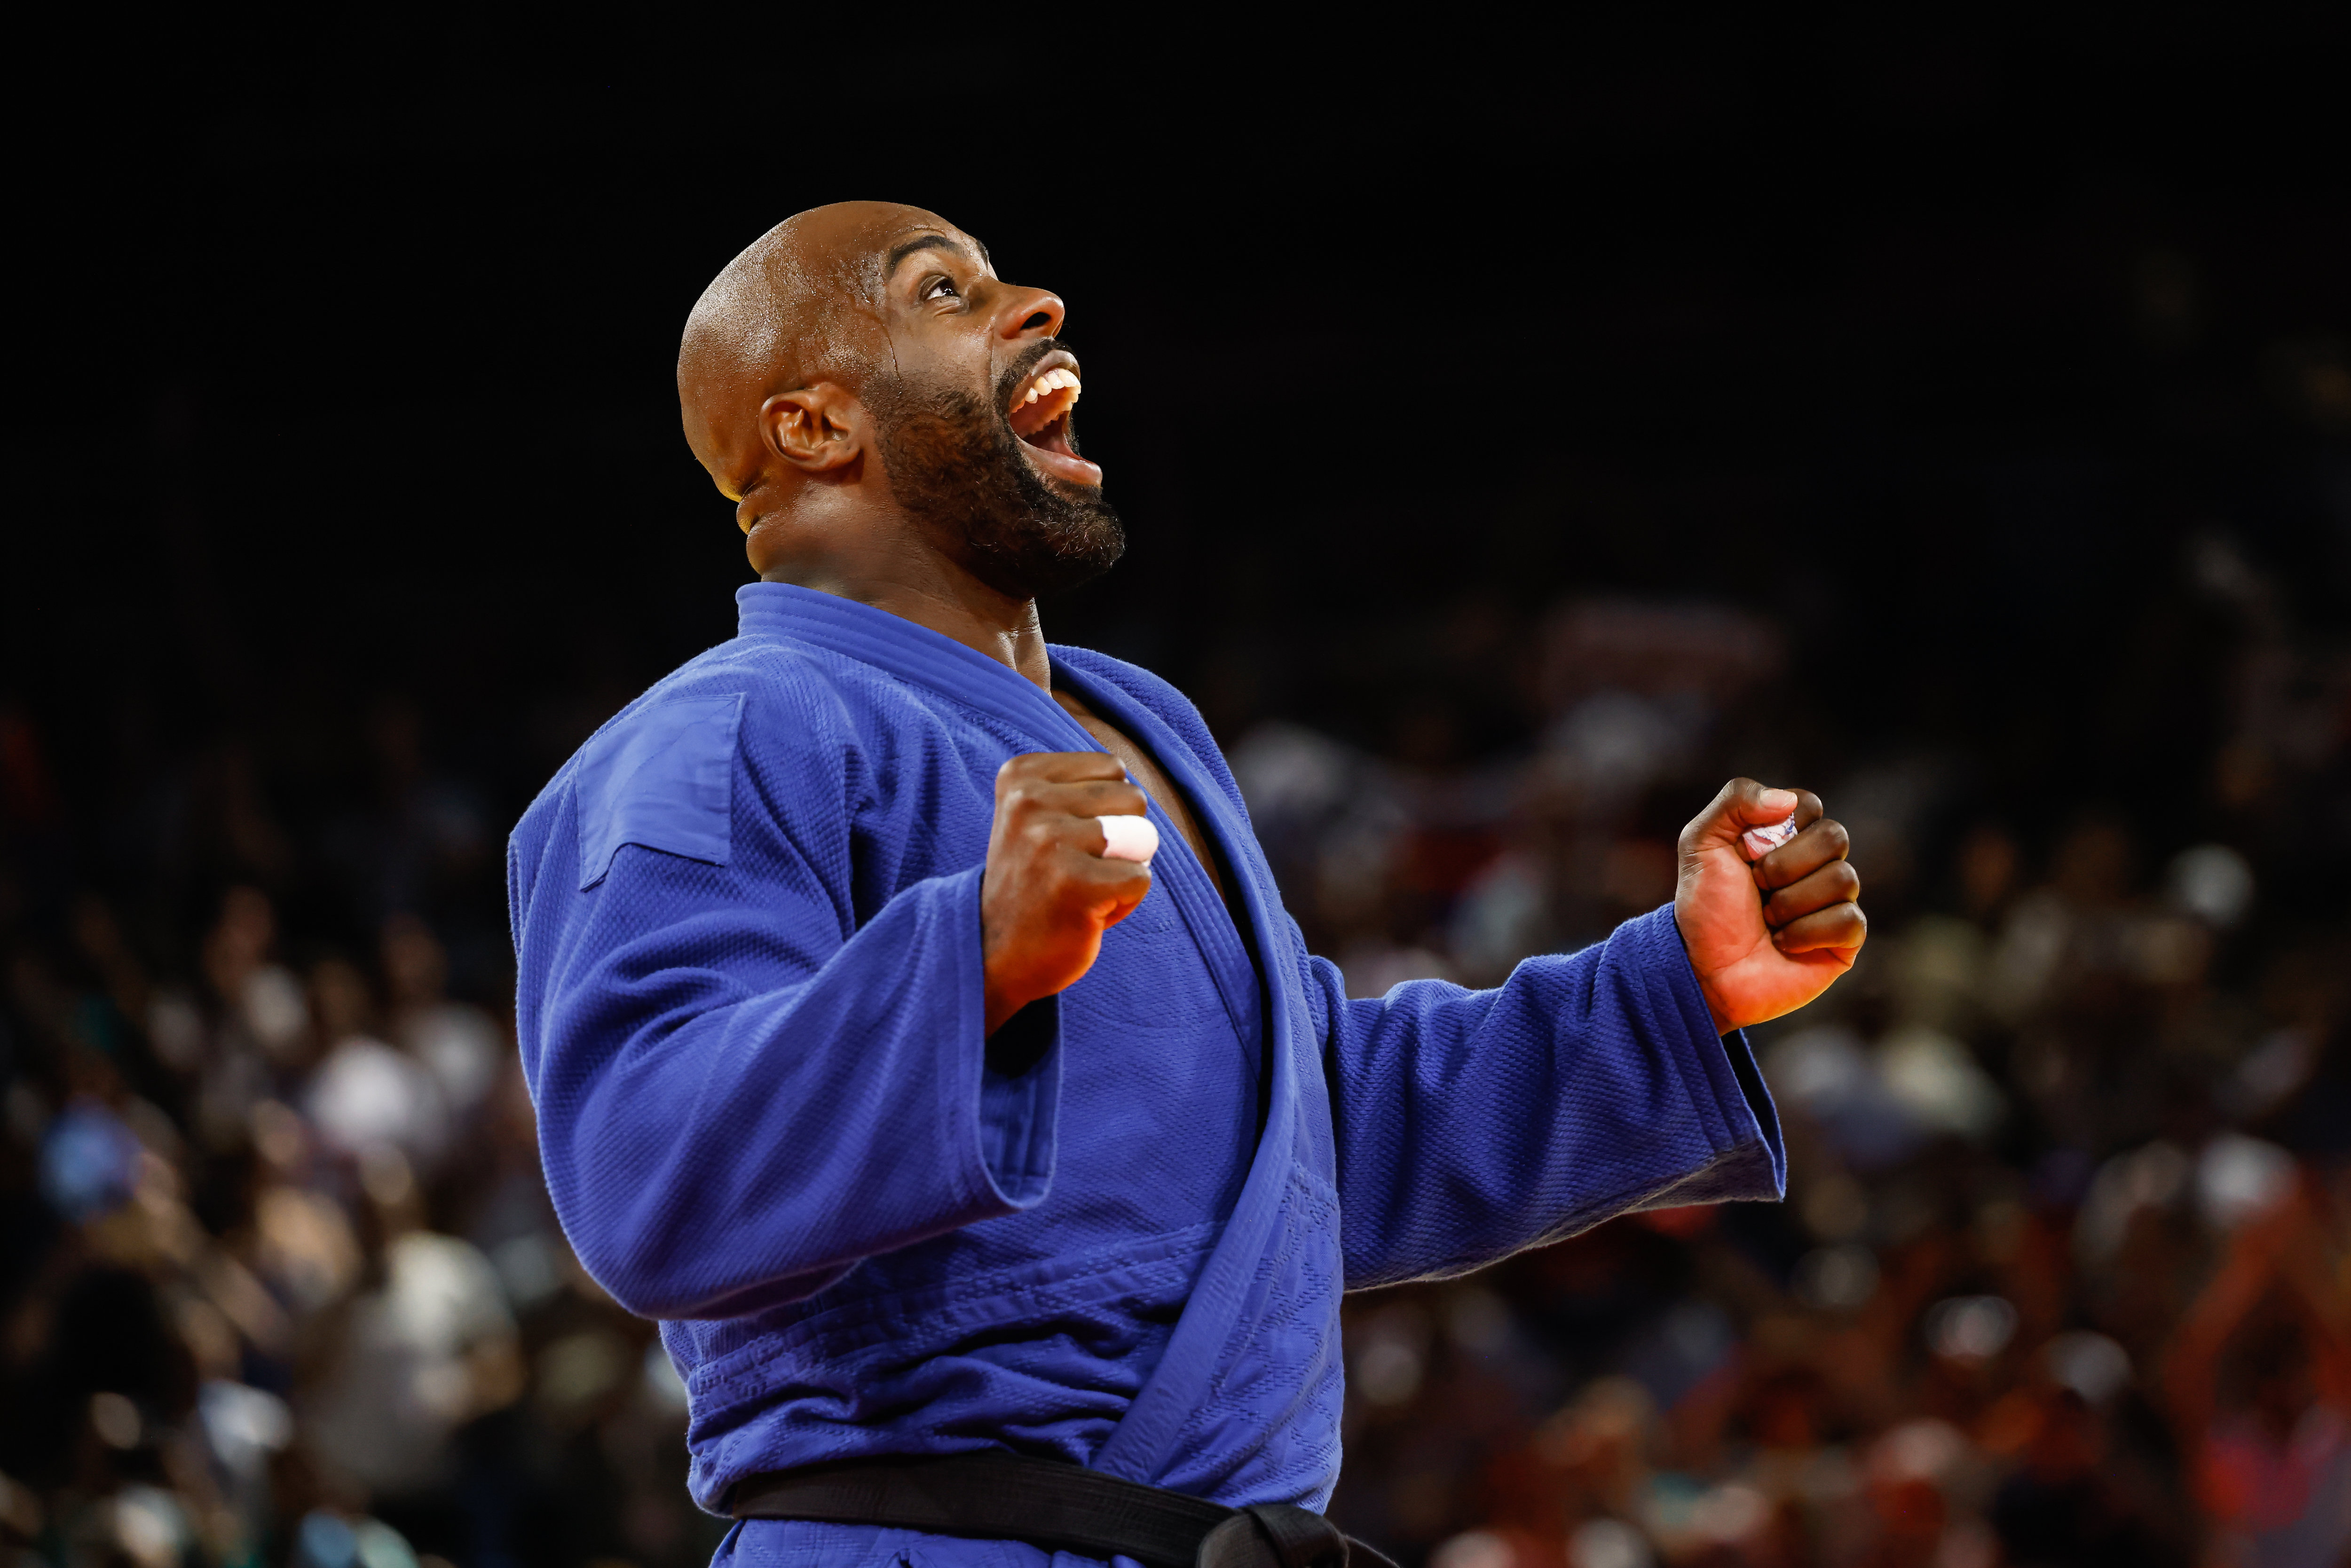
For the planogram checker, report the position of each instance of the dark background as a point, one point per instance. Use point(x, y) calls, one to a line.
point(351, 373)
point(2002, 373)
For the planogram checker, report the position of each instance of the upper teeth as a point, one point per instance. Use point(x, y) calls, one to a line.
point(1052, 380)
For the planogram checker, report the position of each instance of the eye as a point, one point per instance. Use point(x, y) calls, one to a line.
point(940, 289)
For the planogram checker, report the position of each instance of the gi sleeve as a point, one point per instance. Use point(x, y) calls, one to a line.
point(1471, 1124)
point(740, 1092)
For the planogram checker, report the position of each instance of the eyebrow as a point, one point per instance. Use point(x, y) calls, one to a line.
point(926, 242)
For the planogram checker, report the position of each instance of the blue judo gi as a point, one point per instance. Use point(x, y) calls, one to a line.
point(749, 1000)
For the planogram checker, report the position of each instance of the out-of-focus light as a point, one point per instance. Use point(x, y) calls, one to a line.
point(381, 1547)
point(1971, 1328)
point(1837, 1278)
point(1731, 1513)
point(328, 1540)
point(2272, 1070)
point(176, 1030)
point(2237, 1177)
point(245, 1426)
point(1835, 1209)
point(1474, 1548)
point(279, 1134)
point(1608, 1543)
point(20, 1509)
point(1390, 1350)
point(1968, 1542)
point(2212, 883)
point(150, 1527)
point(661, 1381)
point(89, 1161)
point(2146, 1178)
point(367, 1093)
point(2091, 1365)
point(115, 1420)
point(275, 1011)
point(1923, 1450)
point(1822, 1065)
point(1937, 1080)
point(579, 1369)
point(1478, 1321)
point(1388, 1372)
point(530, 1269)
point(325, 1541)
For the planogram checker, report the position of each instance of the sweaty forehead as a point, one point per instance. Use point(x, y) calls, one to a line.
point(865, 241)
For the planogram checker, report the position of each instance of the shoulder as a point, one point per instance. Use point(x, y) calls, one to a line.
point(661, 772)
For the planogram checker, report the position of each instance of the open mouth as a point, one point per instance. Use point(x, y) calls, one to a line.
point(1040, 415)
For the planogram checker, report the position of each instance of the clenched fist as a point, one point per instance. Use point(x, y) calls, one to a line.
point(1766, 938)
point(1048, 895)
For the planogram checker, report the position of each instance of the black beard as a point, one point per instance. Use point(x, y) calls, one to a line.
point(955, 466)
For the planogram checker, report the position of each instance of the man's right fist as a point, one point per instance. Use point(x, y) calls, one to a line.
point(1048, 895)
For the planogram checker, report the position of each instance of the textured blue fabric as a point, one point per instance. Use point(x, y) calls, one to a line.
point(661, 783)
point(768, 1115)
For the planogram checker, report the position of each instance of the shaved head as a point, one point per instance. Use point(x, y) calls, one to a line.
point(800, 304)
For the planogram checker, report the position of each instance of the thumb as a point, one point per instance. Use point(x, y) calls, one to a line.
point(1742, 804)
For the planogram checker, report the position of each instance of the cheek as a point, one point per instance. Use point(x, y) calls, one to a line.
point(944, 358)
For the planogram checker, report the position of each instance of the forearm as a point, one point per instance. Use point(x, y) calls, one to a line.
point(1473, 1124)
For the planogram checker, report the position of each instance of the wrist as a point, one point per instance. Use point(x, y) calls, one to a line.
point(998, 1004)
point(1715, 1008)
point(1722, 1022)
point(1004, 992)
point(998, 1000)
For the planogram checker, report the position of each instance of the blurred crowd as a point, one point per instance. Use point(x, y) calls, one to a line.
point(2063, 1276)
point(2064, 1272)
point(281, 1282)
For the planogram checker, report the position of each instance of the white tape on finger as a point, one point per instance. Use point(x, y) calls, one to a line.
point(1762, 842)
point(1129, 838)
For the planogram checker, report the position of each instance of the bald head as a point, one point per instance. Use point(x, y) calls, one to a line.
point(802, 304)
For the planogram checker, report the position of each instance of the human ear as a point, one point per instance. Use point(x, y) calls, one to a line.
point(815, 428)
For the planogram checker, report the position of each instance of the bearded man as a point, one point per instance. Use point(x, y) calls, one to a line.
point(996, 1188)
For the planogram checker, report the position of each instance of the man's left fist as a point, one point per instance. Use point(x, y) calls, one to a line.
point(1766, 938)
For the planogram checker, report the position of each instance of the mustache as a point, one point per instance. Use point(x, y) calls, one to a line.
point(1019, 369)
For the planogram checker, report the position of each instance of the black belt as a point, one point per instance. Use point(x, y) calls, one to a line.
point(997, 1496)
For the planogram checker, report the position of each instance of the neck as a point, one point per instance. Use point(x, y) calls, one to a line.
point(919, 584)
point(974, 614)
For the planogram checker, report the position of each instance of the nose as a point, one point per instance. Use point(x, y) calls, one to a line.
point(1030, 313)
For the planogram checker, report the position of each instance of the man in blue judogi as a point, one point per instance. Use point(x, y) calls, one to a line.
point(995, 1181)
